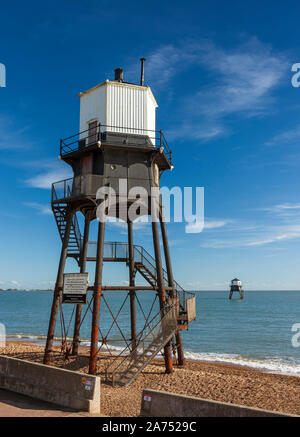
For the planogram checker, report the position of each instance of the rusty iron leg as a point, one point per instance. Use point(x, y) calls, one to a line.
point(97, 298)
point(132, 284)
point(82, 270)
point(179, 346)
point(161, 292)
point(58, 288)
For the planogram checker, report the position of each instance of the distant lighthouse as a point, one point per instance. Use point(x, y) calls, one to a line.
point(236, 286)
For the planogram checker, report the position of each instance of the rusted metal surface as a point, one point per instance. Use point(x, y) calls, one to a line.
point(129, 363)
point(97, 296)
point(179, 346)
point(82, 270)
point(115, 152)
point(161, 293)
point(132, 284)
point(127, 288)
point(58, 287)
point(191, 309)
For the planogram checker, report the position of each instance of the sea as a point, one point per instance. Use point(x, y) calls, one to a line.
point(262, 331)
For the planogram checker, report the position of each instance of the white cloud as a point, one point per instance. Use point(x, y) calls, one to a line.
point(11, 136)
point(291, 136)
point(201, 131)
point(214, 224)
point(241, 82)
point(196, 227)
point(163, 64)
point(246, 76)
point(283, 209)
point(287, 206)
point(51, 172)
point(277, 234)
point(263, 234)
point(42, 209)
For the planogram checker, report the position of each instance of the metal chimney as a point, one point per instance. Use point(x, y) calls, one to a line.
point(119, 75)
point(142, 70)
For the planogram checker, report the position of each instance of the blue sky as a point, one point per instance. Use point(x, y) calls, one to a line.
point(221, 73)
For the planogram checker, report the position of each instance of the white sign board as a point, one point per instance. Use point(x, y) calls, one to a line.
point(75, 287)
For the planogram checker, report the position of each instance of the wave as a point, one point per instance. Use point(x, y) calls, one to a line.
point(269, 364)
point(280, 365)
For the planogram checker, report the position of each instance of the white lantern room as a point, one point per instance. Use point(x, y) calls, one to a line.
point(119, 107)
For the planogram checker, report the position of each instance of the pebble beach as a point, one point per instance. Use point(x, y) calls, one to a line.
point(214, 381)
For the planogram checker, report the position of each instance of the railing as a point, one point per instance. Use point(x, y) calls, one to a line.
point(61, 189)
point(78, 186)
point(141, 255)
point(112, 250)
point(158, 328)
point(119, 250)
point(77, 232)
point(91, 137)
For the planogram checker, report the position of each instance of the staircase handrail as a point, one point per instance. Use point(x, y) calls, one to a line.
point(128, 353)
point(179, 290)
point(147, 259)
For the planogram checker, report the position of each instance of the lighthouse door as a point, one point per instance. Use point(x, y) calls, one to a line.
point(92, 132)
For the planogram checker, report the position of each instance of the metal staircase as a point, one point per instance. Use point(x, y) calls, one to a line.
point(62, 190)
point(147, 274)
point(74, 246)
point(145, 265)
point(129, 364)
point(177, 314)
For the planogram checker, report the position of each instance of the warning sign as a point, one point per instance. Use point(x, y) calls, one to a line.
point(75, 287)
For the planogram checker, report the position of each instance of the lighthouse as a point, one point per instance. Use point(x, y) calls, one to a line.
point(117, 149)
point(236, 286)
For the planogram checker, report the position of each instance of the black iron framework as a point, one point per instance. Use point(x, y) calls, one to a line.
point(171, 309)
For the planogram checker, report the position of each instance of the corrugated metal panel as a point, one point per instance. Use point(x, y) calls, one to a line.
point(126, 109)
point(130, 109)
point(93, 106)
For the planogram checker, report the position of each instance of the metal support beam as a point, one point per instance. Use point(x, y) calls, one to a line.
point(58, 287)
point(161, 292)
point(132, 284)
point(128, 288)
point(82, 270)
point(97, 298)
point(179, 346)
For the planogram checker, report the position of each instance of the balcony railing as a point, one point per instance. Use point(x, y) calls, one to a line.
point(79, 186)
point(92, 137)
point(120, 251)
